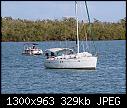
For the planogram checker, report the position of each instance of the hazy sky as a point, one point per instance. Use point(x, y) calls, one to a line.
point(102, 10)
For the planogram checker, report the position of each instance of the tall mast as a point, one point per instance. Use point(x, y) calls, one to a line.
point(77, 27)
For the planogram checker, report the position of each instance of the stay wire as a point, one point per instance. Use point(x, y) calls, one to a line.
point(89, 23)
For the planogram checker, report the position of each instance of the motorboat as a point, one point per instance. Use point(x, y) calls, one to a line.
point(31, 49)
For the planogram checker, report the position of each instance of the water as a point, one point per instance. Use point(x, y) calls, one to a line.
point(26, 74)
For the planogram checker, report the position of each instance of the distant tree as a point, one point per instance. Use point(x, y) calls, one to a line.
point(64, 29)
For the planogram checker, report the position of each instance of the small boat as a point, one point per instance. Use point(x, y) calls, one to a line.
point(31, 49)
point(66, 58)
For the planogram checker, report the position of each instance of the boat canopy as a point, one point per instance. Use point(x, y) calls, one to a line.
point(59, 51)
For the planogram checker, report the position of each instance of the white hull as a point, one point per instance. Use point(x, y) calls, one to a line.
point(33, 52)
point(30, 51)
point(77, 63)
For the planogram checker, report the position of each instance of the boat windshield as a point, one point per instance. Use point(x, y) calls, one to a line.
point(58, 52)
point(30, 46)
point(64, 52)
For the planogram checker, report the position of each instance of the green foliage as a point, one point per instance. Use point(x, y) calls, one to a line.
point(64, 29)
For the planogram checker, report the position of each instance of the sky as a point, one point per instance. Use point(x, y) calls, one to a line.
point(106, 11)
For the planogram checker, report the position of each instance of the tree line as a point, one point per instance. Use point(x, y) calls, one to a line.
point(63, 29)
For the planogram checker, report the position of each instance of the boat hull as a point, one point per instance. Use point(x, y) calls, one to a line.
point(77, 63)
point(33, 52)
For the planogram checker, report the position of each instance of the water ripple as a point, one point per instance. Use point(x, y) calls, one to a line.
point(27, 74)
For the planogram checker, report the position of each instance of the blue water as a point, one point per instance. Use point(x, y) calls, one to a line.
point(27, 74)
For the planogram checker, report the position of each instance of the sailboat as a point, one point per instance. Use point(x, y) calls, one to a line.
point(65, 58)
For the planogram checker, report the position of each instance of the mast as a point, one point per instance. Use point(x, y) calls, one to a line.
point(77, 27)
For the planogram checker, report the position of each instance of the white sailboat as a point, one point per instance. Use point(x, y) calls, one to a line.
point(65, 58)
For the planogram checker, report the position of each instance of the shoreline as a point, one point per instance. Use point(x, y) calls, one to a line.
point(62, 41)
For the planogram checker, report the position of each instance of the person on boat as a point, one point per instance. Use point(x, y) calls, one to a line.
point(52, 54)
point(47, 55)
point(33, 46)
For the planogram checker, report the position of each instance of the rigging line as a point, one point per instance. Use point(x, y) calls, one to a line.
point(64, 22)
point(89, 22)
point(86, 42)
point(81, 28)
point(86, 45)
point(75, 14)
